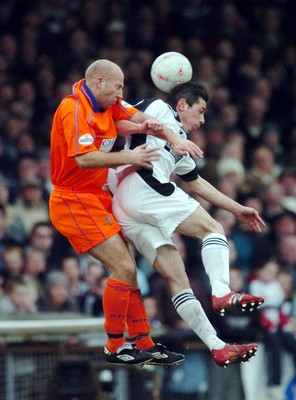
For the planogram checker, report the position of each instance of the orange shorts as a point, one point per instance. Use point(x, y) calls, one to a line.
point(85, 219)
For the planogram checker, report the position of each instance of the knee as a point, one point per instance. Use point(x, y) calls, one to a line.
point(219, 228)
point(214, 227)
point(125, 271)
point(177, 277)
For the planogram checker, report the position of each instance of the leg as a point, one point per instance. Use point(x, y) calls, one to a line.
point(116, 258)
point(289, 342)
point(169, 265)
point(273, 348)
point(121, 293)
point(137, 320)
point(215, 256)
point(215, 251)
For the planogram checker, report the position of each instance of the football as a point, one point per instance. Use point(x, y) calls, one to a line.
point(169, 69)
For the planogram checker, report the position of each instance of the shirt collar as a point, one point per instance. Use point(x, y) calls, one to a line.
point(87, 92)
point(176, 115)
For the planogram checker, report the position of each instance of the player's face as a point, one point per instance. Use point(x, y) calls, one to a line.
point(193, 117)
point(111, 89)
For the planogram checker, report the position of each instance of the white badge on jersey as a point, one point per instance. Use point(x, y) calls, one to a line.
point(86, 139)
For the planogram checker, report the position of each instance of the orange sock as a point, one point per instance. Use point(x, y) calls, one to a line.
point(137, 321)
point(115, 304)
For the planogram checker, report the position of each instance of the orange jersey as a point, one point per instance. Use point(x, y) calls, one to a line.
point(81, 126)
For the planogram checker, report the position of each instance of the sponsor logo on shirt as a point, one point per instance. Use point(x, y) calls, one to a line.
point(108, 220)
point(86, 139)
point(177, 157)
point(107, 145)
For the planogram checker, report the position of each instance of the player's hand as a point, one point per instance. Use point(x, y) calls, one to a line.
point(142, 156)
point(185, 146)
point(181, 146)
point(251, 219)
point(151, 127)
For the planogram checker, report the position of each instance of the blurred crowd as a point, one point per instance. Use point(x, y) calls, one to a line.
point(244, 52)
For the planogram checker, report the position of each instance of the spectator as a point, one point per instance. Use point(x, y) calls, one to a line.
point(19, 298)
point(226, 219)
point(26, 94)
point(70, 266)
point(91, 302)
point(80, 49)
point(7, 158)
point(275, 323)
point(263, 170)
point(234, 148)
point(227, 186)
point(44, 170)
point(116, 48)
point(287, 179)
point(4, 240)
point(229, 116)
point(272, 139)
point(57, 296)
point(27, 169)
point(9, 48)
point(35, 266)
point(272, 195)
point(152, 309)
point(216, 138)
point(41, 237)
point(92, 18)
point(14, 126)
point(15, 228)
point(283, 224)
point(287, 255)
point(30, 204)
point(286, 280)
point(270, 32)
point(144, 30)
point(249, 245)
point(135, 83)
point(253, 124)
point(232, 169)
point(25, 145)
point(13, 261)
point(221, 97)
point(206, 71)
point(44, 237)
point(233, 327)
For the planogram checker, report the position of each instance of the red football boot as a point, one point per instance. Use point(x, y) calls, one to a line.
point(234, 353)
point(244, 301)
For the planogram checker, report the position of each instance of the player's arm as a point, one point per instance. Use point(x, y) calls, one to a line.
point(141, 156)
point(247, 215)
point(150, 127)
point(144, 123)
point(86, 154)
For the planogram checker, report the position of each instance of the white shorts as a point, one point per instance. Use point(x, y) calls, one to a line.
point(149, 219)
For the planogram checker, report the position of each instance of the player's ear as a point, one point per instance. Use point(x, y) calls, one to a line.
point(99, 82)
point(182, 105)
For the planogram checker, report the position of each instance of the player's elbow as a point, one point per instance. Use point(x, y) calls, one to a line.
point(82, 162)
point(195, 186)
